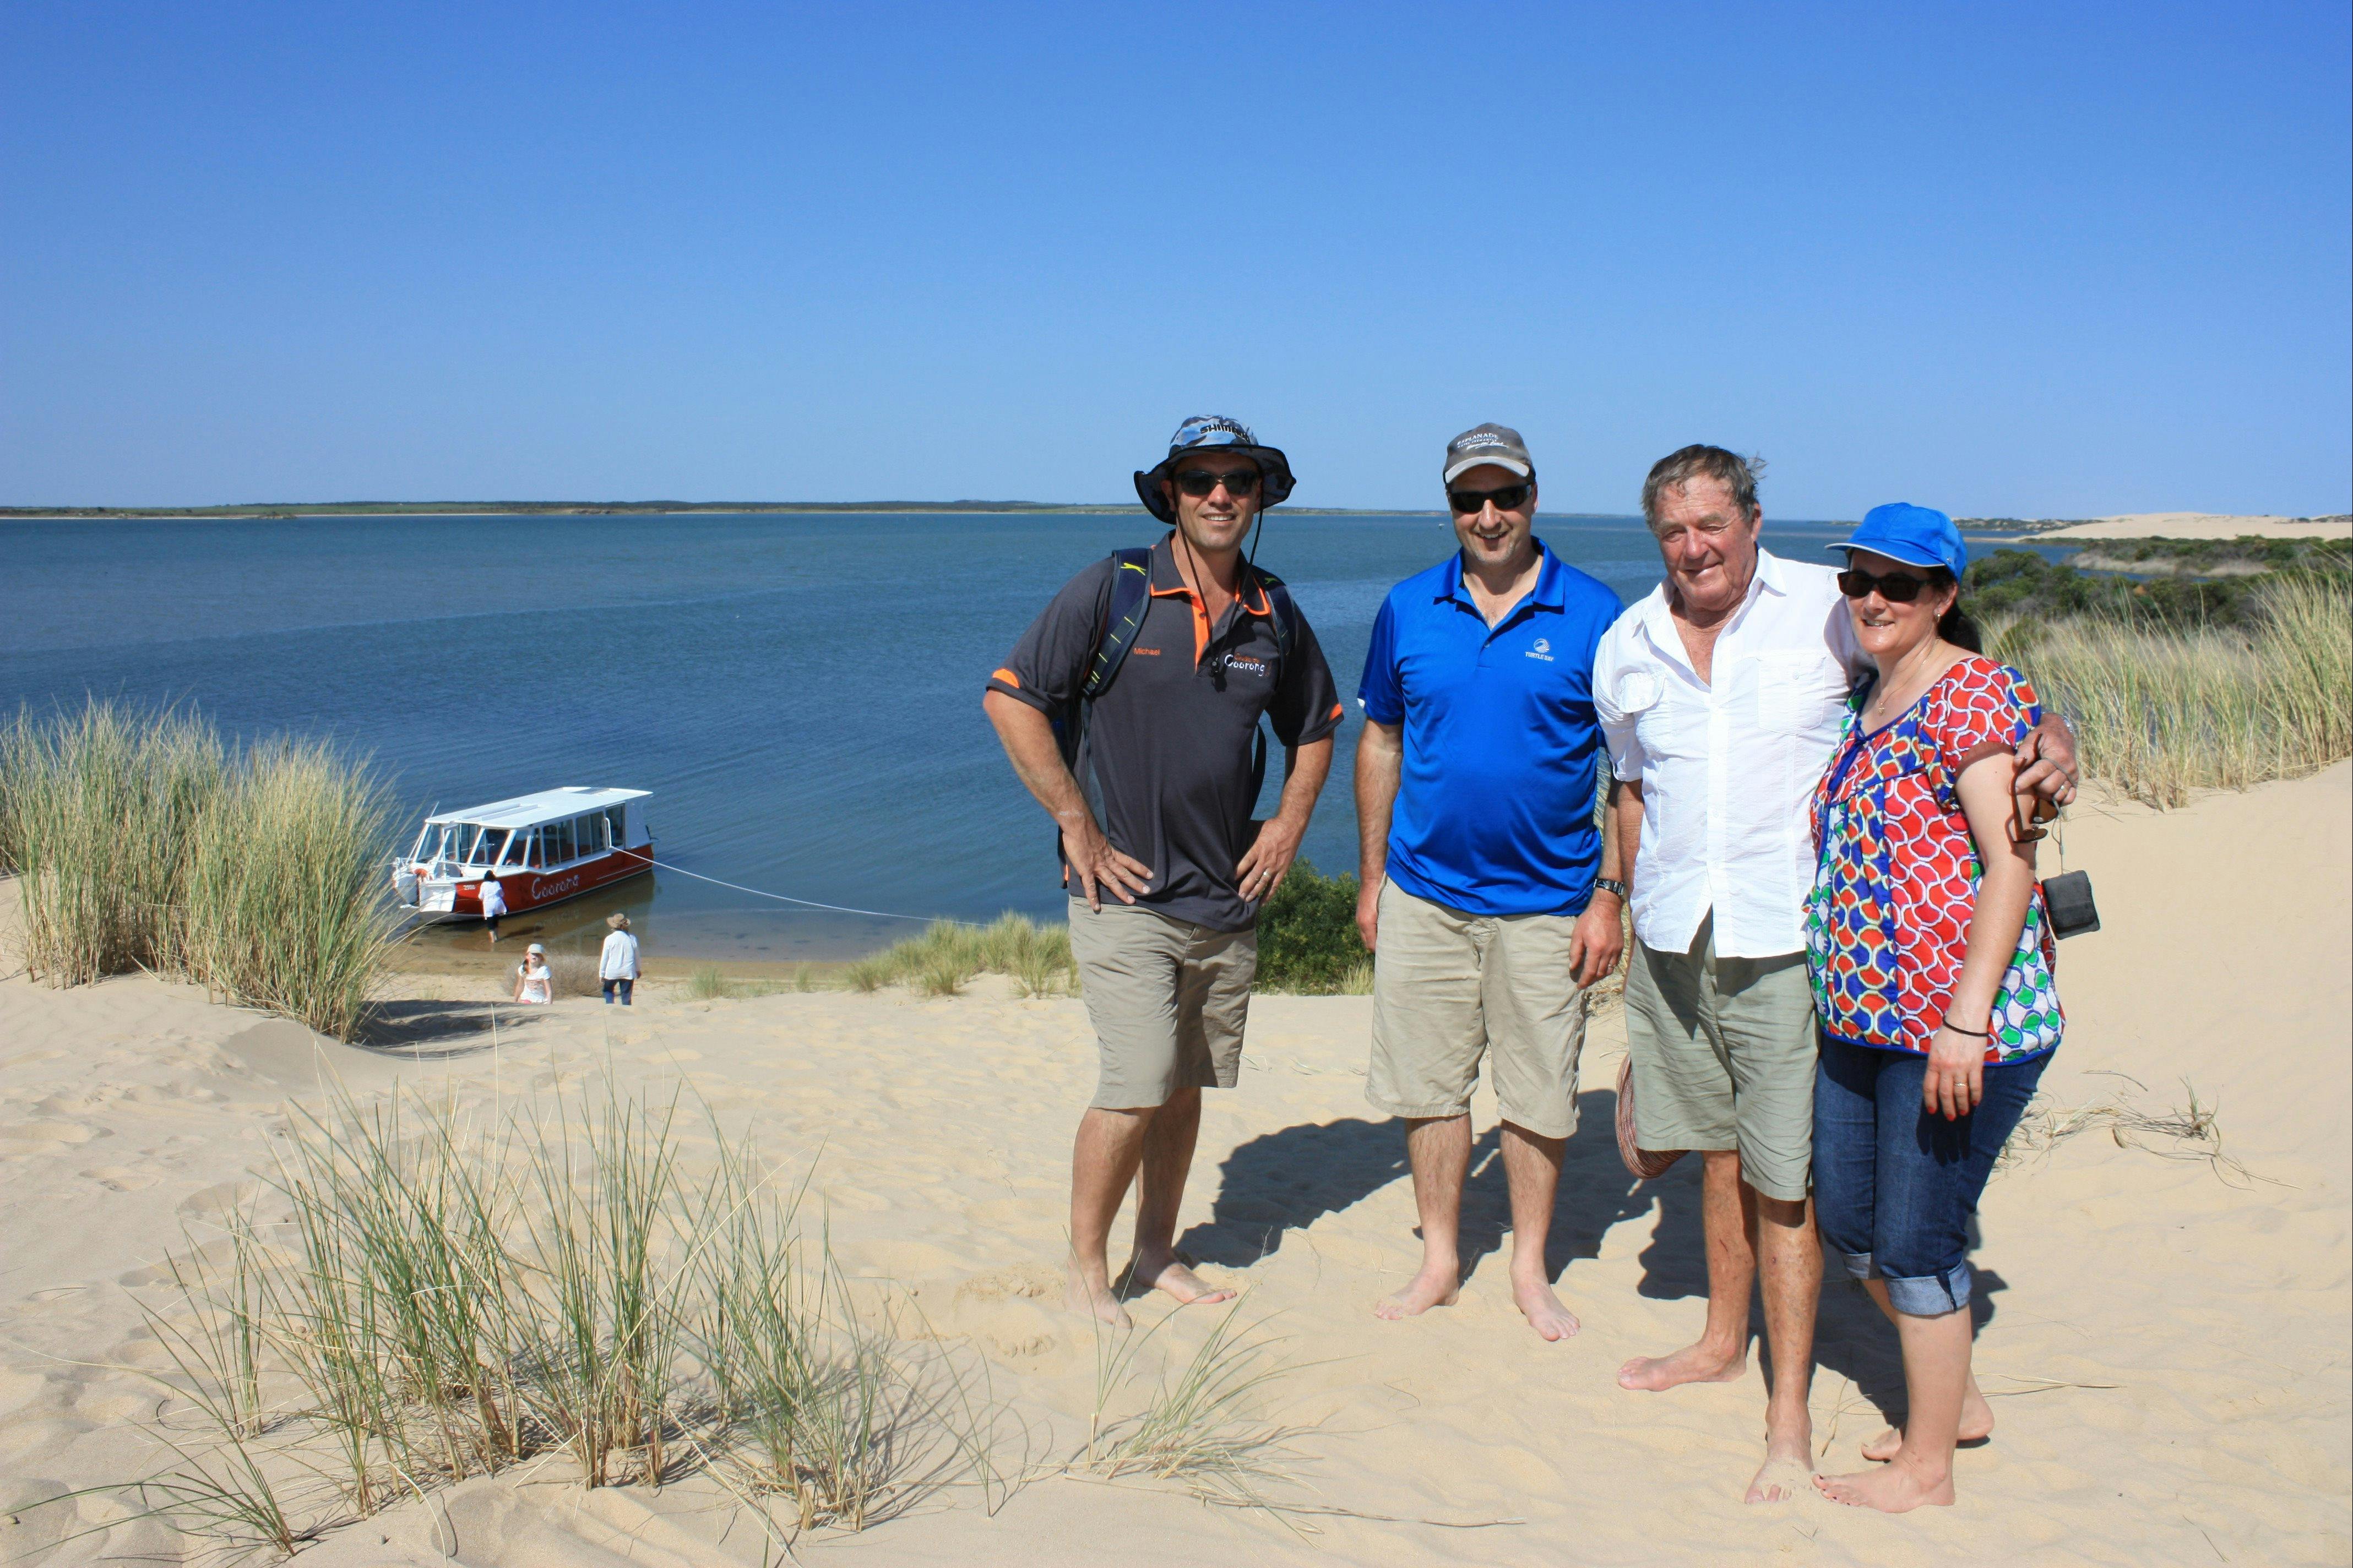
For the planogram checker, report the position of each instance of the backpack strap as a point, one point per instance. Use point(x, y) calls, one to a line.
point(1131, 594)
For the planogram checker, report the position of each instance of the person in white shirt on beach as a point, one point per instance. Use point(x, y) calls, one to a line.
point(1722, 695)
point(617, 965)
point(534, 981)
point(494, 903)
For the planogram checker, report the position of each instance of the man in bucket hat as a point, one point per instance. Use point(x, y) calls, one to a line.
point(1130, 709)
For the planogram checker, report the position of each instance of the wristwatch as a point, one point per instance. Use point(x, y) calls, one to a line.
point(1611, 885)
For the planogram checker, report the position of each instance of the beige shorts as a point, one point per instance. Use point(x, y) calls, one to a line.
point(1448, 987)
point(1724, 1054)
point(1169, 1000)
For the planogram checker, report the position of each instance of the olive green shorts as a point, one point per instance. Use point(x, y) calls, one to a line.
point(1450, 989)
point(1169, 1000)
point(1724, 1054)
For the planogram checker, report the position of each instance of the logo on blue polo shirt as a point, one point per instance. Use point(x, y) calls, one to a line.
point(1543, 650)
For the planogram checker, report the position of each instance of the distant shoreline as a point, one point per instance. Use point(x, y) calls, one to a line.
point(295, 510)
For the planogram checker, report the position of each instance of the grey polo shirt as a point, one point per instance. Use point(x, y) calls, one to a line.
point(1170, 741)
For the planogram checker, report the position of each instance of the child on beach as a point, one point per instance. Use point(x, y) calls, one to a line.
point(534, 981)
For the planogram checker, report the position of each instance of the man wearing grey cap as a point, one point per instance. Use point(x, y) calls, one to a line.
point(1489, 898)
point(1130, 709)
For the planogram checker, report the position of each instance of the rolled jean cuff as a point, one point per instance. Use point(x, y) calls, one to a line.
point(1923, 1296)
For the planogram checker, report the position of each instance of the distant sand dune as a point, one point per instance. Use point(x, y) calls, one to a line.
point(2167, 1351)
point(2204, 525)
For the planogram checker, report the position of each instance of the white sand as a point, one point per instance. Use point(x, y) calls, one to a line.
point(2168, 1351)
point(2204, 525)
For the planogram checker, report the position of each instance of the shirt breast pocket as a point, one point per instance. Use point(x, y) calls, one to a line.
point(1799, 693)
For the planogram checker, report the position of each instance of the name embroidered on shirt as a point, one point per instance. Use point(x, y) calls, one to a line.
point(1147, 652)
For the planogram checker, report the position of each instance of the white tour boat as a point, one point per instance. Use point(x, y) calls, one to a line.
point(544, 849)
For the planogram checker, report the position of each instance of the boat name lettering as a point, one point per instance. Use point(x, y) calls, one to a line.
point(541, 887)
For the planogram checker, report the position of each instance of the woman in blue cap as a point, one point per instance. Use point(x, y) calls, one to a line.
point(1931, 957)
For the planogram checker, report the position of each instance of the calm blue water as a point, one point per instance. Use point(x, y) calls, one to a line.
point(801, 693)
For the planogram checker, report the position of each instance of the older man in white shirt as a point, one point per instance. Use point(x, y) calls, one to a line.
point(1722, 695)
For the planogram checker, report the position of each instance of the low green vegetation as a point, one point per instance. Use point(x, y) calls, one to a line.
point(141, 841)
point(2164, 709)
point(1307, 937)
point(2174, 583)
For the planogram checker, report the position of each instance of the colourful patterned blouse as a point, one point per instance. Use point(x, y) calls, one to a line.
point(1887, 924)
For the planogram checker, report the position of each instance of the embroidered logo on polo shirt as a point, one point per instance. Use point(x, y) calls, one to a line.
point(1246, 664)
point(1543, 650)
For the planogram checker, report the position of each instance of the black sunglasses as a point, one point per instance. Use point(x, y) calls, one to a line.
point(1200, 482)
point(1511, 498)
point(1897, 588)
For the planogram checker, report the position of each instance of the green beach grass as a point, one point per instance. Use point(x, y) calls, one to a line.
point(141, 841)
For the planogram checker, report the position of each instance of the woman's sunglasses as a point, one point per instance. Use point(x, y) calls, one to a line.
point(1200, 482)
point(1511, 498)
point(1895, 587)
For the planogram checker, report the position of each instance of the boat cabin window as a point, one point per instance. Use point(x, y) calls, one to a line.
point(493, 843)
point(589, 833)
point(562, 849)
point(618, 826)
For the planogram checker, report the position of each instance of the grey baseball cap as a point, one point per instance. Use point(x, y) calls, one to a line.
point(1497, 444)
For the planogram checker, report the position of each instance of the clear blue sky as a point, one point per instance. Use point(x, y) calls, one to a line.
point(2039, 259)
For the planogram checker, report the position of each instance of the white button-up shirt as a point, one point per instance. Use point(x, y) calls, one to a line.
point(1728, 766)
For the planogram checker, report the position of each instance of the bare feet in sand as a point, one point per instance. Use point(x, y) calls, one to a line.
point(1693, 1363)
point(1168, 1275)
point(1788, 1465)
point(1435, 1285)
point(1100, 1301)
point(1977, 1426)
point(1542, 1308)
point(1890, 1489)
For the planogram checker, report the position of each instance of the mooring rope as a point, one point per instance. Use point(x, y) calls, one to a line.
point(788, 899)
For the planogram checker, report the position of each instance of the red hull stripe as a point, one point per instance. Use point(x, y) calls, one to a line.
point(537, 890)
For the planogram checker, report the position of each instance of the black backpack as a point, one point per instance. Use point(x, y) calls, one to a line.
point(1130, 596)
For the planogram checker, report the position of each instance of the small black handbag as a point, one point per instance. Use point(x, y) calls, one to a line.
point(2068, 897)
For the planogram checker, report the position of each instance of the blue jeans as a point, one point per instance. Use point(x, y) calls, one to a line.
point(625, 986)
point(1895, 1183)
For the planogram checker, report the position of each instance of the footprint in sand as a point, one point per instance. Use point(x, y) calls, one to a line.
point(121, 1179)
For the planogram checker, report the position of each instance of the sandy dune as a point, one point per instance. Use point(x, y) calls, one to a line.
point(2168, 1351)
point(2203, 525)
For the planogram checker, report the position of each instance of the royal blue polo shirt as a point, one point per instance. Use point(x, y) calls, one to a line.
point(1494, 808)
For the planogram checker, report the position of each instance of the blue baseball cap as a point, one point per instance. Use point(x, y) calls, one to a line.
point(1915, 535)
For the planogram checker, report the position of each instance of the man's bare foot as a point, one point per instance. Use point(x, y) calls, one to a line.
point(1101, 1301)
point(1169, 1276)
point(1437, 1285)
point(1977, 1426)
point(1890, 1489)
point(1693, 1363)
point(1789, 1465)
point(1545, 1315)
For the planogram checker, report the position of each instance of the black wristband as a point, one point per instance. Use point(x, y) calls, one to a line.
point(1981, 1034)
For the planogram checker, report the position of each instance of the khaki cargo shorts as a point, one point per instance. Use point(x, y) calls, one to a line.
point(1724, 1054)
point(1449, 987)
point(1169, 1000)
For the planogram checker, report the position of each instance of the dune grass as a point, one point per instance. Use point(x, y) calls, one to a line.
point(141, 841)
point(426, 1293)
point(2163, 710)
point(1203, 1423)
point(947, 956)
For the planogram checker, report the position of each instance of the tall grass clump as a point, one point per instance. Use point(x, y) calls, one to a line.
point(98, 812)
point(947, 954)
point(284, 902)
point(1206, 1424)
point(141, 841)
point(2162, 710)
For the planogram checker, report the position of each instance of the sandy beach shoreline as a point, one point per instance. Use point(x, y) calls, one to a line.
point(2166, 1339)
point(2202, 525)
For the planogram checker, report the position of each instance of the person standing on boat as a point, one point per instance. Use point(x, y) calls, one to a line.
point(494, 903)
point(617, 965)
point(1153, 800)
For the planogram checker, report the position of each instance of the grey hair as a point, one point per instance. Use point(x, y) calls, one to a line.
point(1733, 472)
